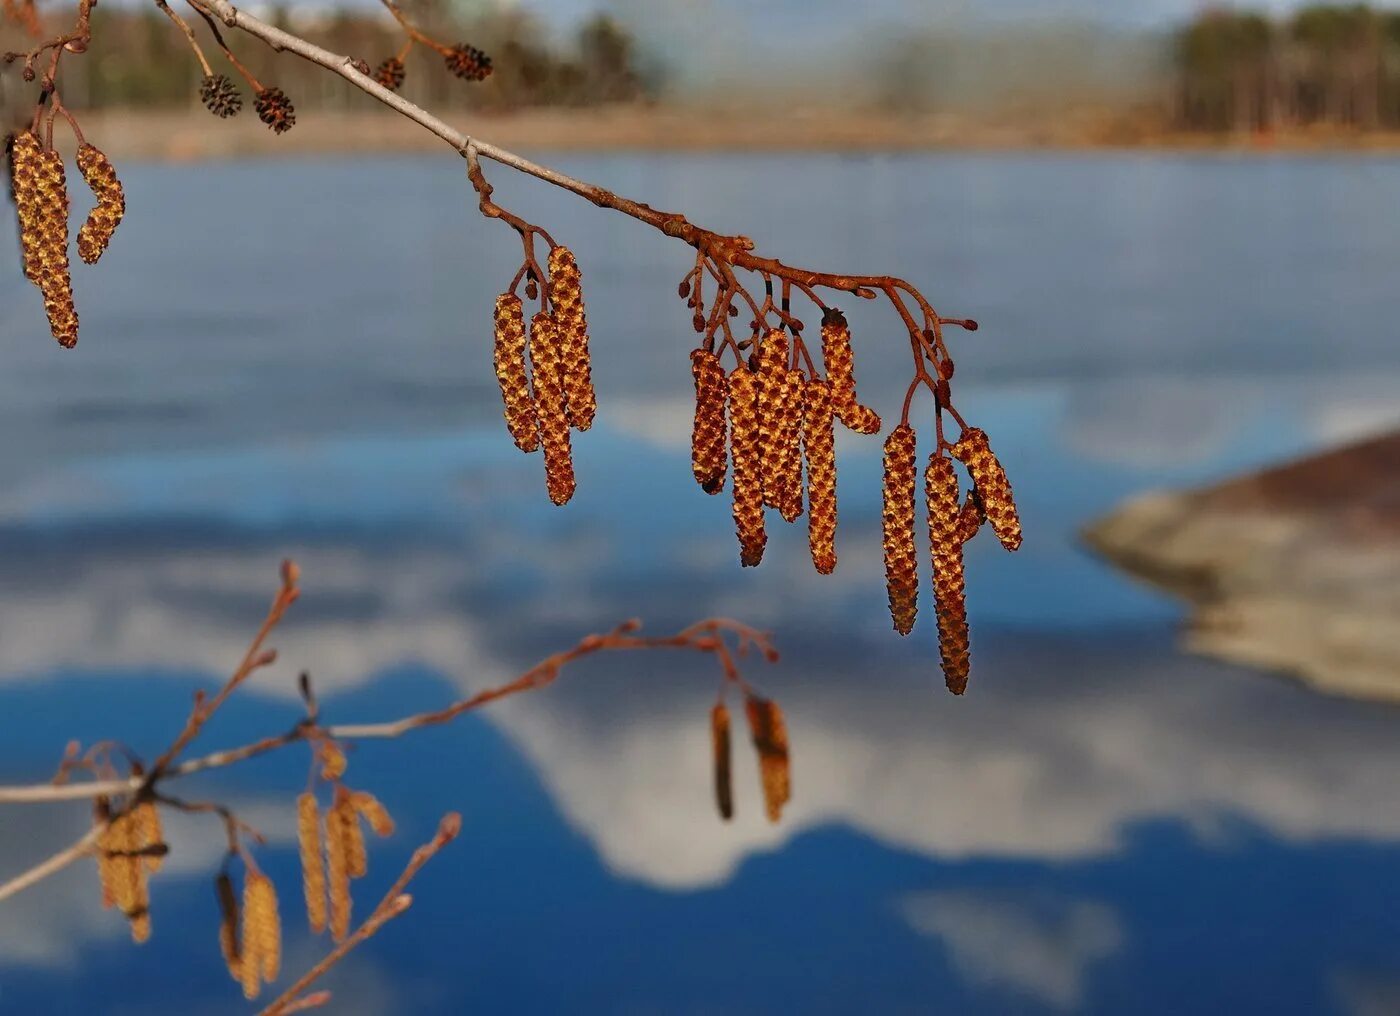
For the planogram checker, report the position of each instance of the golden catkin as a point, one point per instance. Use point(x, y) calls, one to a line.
point(546, 361)
point(819, 447)
point(901, 563)
point(228, 926)
point(356, 856)
point(770, 740)
point(152, 835)
point(773, 351)
point(521, 419)
point(946, 543)
point(839, 359)
point(262, 934)
point(128, 874)
point(338, 869)
point(709, 433)
point(791, 399)
point(368, 806)
point(723, 753)
point(746, 449)
point(566, 299)
point(54, 279)
point(24, 180)
point(969, 517)
point(104, 219)
point(106, 863)
point(993, 489)
point(313, 872)
point(333, 761)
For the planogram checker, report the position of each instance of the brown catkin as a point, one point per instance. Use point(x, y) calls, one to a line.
point(368, 807)
point(24, 182)
point(546, 362)
point(709, 433)
point(839, 360)
point(566, 299)
point(313, 872)
point(946, 543)
point(723, 757)
point(356, 856)
point(772, 380)
point(521, 419)
point(104, 219)
point(791, 398)
point(338, 869)
point(819, 448)
point(128, 873)
point(745, 439)
point(901, 563)
point(54, 279)
point(993, 489)
point(106, 863)
point(228, 925)
point(770, 740)
point(151, 833)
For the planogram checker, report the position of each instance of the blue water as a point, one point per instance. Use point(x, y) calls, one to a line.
point(294, 359)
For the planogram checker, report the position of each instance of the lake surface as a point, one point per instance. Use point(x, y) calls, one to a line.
point(295, 360)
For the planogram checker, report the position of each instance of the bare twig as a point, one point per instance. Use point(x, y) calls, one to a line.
point(51, 865)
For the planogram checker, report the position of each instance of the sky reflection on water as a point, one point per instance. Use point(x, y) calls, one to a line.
point(1103, 825)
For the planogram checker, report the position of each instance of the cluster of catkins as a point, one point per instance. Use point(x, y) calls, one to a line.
point(952, 522)
point(768, 417)
point(40, 190)
point(770, 741)
point(129, 846)
point(546, 378)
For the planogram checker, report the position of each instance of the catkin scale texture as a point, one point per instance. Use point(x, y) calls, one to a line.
point(261, 958)
point(338, 868)
point(788, 495)
point(709, 432)
point(819, 447)
point(313, 872)
point(773, 352)
point(901, 561)
point(993, 488)
point(103, 220)
point(546, 362)
point(746, 450)
point(509, 354)
point(946, 542)
point(24, 177)
point(723, 760)
point(770, 740)
point(566, 299)
point(53, 277)
point(839, 360)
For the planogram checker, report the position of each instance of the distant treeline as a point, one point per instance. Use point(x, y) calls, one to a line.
point(1326, 64)
point(138, 59)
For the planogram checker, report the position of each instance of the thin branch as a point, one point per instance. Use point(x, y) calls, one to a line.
point(52, 865)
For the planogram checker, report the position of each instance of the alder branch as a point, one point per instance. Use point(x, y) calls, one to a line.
point(51, 865)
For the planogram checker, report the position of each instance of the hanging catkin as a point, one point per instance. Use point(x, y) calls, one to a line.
point(993, 489)
point(723, 759)
point(228, 925)
point(772, 380)
point(770, 740)
point(791, 395)
point(839, 360)
point(566, 298)
point(546, 361)
point(367, 806)
point(24, 179)
point(261, 958)
point(521, 419)
point(338, 868)
point(54, 279)
point(746, 450)
point(708, 436)
point(313, 872)
point(901, 562)
point(104, 219)
point(946, 543)
point(819, 448)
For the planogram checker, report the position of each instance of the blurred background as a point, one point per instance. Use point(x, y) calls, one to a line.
point(1178, 231)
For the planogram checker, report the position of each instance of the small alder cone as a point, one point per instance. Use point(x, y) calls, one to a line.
point(709, 433)
point(773, 351)
point(262, 934)
point(313, 873)
point(770, 740)
point(103, 220)
point(228, 925)
point(391, 73)
point(468, 63)
point(54, 280)
point(901, 564)
point(547, 364)
point(819, 444)
point(566, 299)
point(839, 359)
point(969, 517)
point(220, 96)
point(276, 110)
point(993, 489)
point(521, 418)
point(723, 752)
point(946, 542)
point(746, 449)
